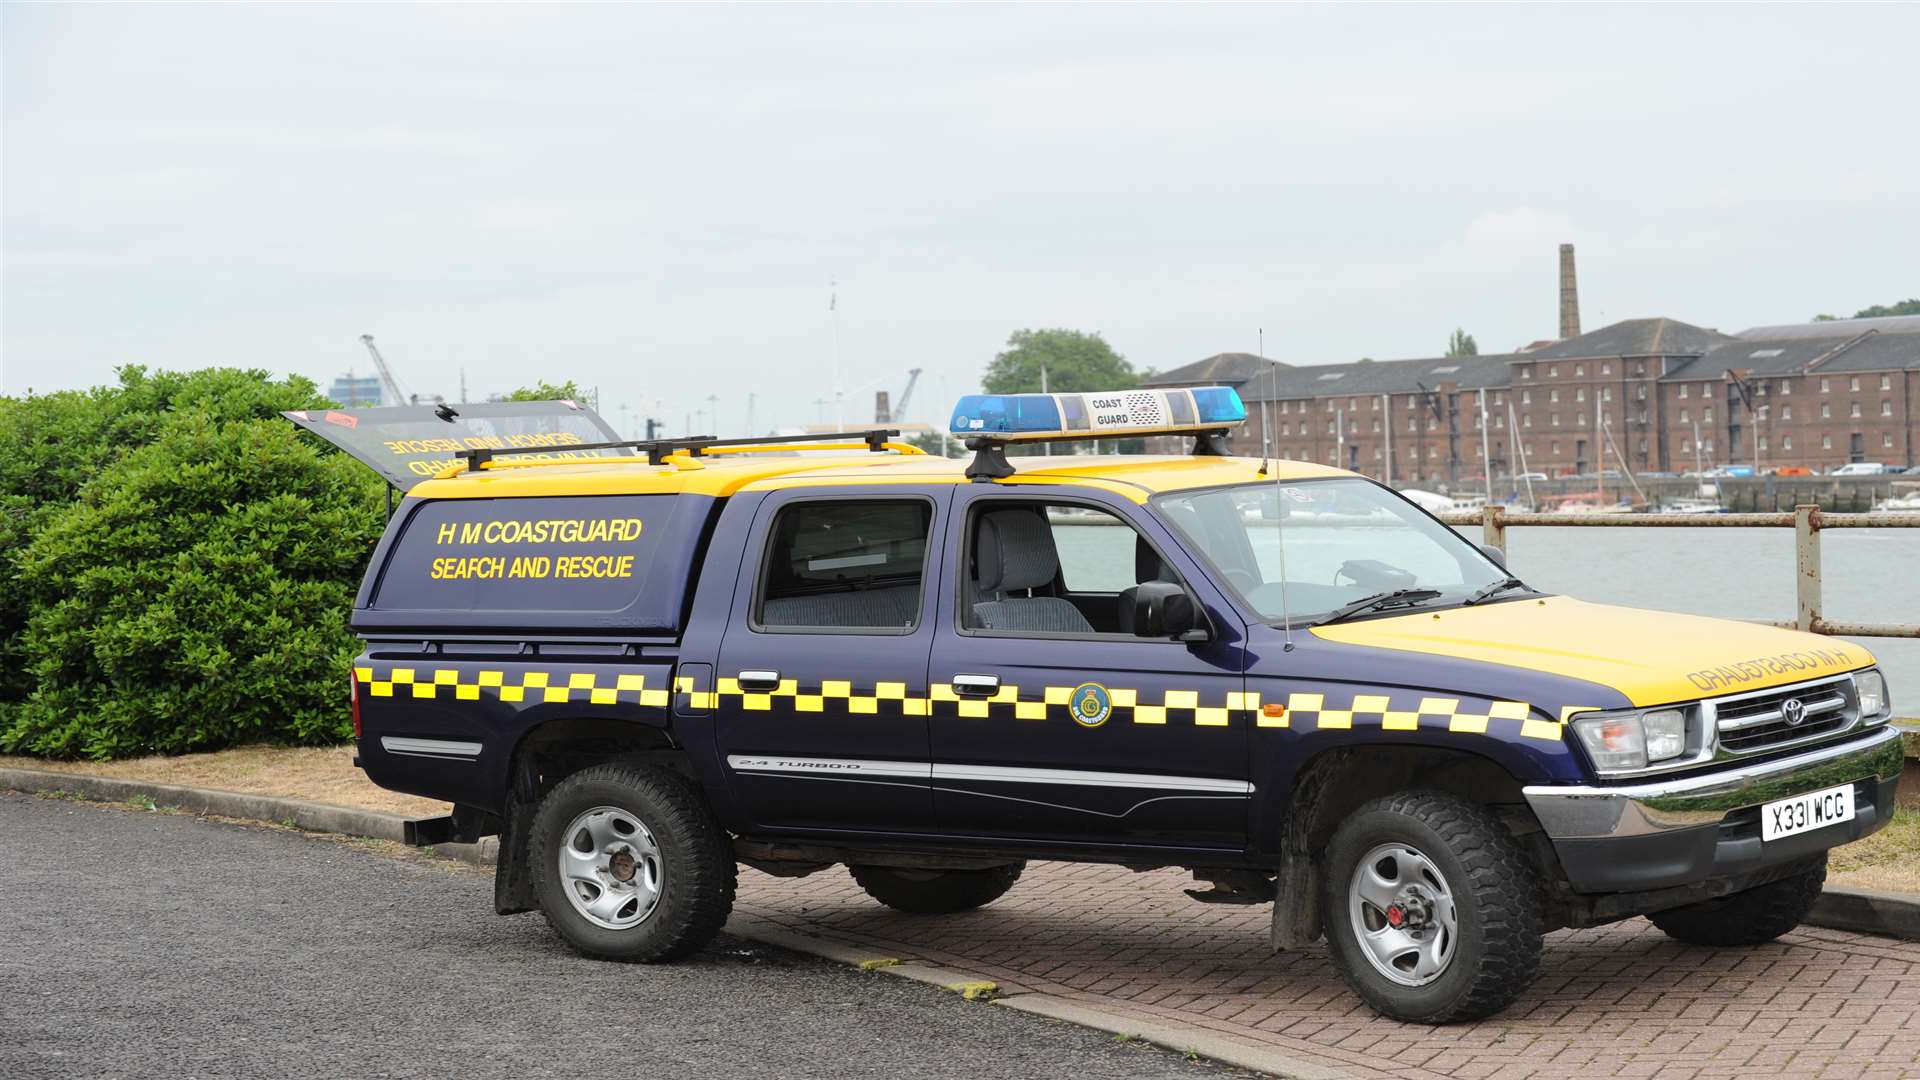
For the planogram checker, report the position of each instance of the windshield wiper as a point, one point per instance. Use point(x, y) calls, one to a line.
point(1493, 590)
point(1393, 598)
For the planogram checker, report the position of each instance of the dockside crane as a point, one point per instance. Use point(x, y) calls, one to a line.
point(886, 413)
point(900, 406)
point(386, 373)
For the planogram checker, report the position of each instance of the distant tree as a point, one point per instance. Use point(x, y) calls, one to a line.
point(1881, 311)
point(546, 391)
point(1369, 359)
point(1878, 311)
point(1074, 362)
point(930, 441)
point(1462, 344)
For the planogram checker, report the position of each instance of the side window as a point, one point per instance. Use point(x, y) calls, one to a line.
point(1096, 549)
point(1054, 568)
point(840, 564)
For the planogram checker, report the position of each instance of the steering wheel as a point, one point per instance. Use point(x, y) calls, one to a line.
point(1243, 581)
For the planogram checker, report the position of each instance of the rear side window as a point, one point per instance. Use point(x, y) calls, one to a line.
point(573, 554)
point(845, 564)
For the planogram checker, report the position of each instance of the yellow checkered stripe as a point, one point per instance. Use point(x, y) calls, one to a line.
point(531, 687)
point(1304, 711)
point(1313, 712)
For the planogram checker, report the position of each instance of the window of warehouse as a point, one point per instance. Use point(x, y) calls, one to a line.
point(843, 564)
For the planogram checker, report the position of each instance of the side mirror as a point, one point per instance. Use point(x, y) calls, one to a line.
point(1162, 609)
point(1499, 557)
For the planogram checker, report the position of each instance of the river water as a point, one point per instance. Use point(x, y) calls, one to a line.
point(1867, 575)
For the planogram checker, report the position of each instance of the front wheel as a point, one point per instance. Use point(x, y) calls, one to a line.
point(1432, 911)
point(631, 865)
point(936, 892)
point(1753, 917)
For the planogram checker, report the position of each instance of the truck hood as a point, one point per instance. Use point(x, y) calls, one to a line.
point(1651, 657)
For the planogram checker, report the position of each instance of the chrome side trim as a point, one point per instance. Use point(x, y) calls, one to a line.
point(993, 774)
point(1569, 811)
point(438, 748)
point(999, 774)
point(850, 767)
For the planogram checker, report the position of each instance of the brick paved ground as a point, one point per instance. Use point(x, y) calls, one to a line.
point(1618, 1001)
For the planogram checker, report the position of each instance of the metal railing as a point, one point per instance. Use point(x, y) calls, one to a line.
point(1807, 523)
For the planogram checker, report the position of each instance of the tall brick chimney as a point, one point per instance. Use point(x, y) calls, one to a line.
point(1569, 295)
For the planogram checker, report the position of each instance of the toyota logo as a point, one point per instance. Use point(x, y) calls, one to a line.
point(1793, 711)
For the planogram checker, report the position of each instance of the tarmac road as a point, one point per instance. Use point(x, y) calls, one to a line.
point(142, 944)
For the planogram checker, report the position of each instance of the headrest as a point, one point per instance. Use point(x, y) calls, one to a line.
point(1013, 549)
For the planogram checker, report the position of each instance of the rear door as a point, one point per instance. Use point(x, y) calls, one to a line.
point(1079, 732)
point(822, 696)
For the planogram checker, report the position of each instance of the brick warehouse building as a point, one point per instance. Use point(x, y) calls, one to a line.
point(1661, 394)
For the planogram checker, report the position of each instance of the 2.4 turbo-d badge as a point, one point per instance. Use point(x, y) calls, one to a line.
point(1091, 705)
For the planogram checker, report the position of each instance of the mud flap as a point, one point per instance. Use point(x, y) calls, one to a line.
point(1296, 902)
point(512, 878)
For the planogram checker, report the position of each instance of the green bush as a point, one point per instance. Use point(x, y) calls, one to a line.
point(179, 566)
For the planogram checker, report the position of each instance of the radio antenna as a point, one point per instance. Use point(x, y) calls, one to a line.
point(1279, 508)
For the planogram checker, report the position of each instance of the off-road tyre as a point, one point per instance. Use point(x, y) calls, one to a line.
point(696, 857)
point(1753, 917)
point(936, 892)
point(1497, 902)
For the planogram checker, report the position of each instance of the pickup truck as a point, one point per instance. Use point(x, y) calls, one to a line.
point(645, 665)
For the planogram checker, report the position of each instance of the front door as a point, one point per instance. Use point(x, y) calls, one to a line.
point(1051, 720)
point(822, 702)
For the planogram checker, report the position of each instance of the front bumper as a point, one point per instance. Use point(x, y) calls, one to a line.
point(1637, 837)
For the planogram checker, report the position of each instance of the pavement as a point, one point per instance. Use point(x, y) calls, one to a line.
point(1619, 1001)
point(138, 944)
point(1094, 945)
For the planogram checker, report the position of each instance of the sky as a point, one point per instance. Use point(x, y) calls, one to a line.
point(659, 201)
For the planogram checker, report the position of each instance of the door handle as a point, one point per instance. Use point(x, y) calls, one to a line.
point(976, 685)
point(758, 680)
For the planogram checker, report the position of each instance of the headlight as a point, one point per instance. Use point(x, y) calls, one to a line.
point(1634, 741)
point(1871, 687)
point(1666, 734)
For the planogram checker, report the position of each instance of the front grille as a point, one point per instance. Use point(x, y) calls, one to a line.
point(1751, 723)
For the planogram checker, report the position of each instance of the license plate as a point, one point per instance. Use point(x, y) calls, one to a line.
point(1805, 813)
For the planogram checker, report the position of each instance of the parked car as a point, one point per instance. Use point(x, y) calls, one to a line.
point(644, 671)
point(1861, 468)
point(1531, 476)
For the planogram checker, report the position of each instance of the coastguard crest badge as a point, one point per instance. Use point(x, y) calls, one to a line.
point(1091, 705)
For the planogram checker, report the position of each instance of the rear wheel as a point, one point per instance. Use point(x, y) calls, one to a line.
point(1432, 911)
point(1753, 917)
point(631, 865)
point(936, 892)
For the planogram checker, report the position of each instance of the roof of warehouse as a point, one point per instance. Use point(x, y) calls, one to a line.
point(1226, 369)
point(1891, 324)
point(1875, 350)
point(1381, 377)
point(1634, 337)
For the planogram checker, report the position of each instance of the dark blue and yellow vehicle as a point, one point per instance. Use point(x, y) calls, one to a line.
point(644, 668)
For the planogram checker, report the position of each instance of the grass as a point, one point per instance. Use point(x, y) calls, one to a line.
point(317, 774)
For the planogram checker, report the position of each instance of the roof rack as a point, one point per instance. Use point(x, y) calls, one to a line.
point(658, 449)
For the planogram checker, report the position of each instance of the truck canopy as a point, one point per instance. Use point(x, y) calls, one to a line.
point(406, 444)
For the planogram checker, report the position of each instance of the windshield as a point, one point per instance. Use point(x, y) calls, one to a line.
point(1345, 540)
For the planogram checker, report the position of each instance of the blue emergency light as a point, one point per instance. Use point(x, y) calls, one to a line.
point(1097, 415)
point(987, 422)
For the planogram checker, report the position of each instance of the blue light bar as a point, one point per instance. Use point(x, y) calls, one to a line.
point(1020, 417)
